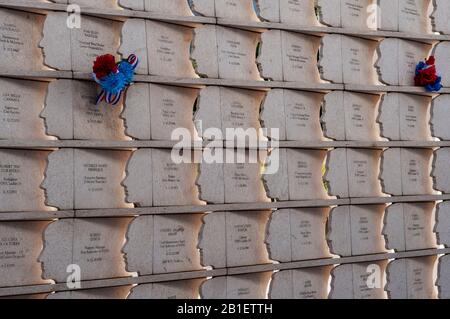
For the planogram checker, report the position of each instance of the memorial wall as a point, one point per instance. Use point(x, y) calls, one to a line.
point(346, 193)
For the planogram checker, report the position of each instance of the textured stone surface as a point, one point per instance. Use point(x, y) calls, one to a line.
point(93, 244)
point(357, 58)
point(21, 174)
point(231, 239)
point(350, 281)
point(353, 172)
point(183, 289)
point(307, 283)
point(20, 246)
point(241, 177)
point(21, 33)
point(406, 117)
point(442, 225)
point(397, 60)
point(71, 113)
point(356, 230)
point(440, 117)
point(350, 116)
point(411, 278)
point(297, 234)
point(406, 171)
point(21, 104)
point(251, 286)
point(353, 14)
point(409, 226)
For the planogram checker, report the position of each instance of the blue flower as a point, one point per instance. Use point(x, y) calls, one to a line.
point(434, 87)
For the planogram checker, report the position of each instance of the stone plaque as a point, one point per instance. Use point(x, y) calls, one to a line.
point(251, 286)
point(20, 33)
point(232, 239)
point(20, 246)
point(104, 4)
point(442, 226)
point(296, 114)
point(351, 281)
point(241, 10)
point(307, 283)
point(79, 46)
point(405, 15)
point(171, 108)
point(348, 116)
point(138, 248)
point(409, 226)
point(354, 14)
point(298, 56)
point(162, 244)
point(440, 117)
point(356, 230)
point(21, 104)
point(71, 113)
point(302, 169)
point(175, 243)
point(440, 172)
point(21, 175)
point(397, 60)
point(96, 37)
point(132, 4)
point(94, 244)
point(91, 179)
point(405, 117)
point(136, 112)
point(297, 234)
point(98, 177)
point(134, 41)
point(236, 54)
point(357, 58)
point(138, 182)
point(172, 7)
point(270, 55)
point(226, 109)
point(98, 293)
point(441, 53)
point(240, 173)
point(203, 7)
point(411, 278)
point(440, 16)
point(168, 49)
point(299, 12)
point(353, 173)
point(268, 10)
point(183, 289)
point(443, 277)
point(406, 171)
point(174, 183)
point(203, 54)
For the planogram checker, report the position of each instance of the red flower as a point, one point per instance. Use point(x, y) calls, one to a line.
point(104, 65)
point(430, 60)
point(426, 76)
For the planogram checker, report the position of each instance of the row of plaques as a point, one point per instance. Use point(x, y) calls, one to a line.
point(34, 252)
point(94, 179)
point(423, 16)
point(66, 110)
point(409, 278)
point(179, 51)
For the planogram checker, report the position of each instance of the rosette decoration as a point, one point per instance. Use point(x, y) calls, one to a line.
point(114, 78)
point(426, 75)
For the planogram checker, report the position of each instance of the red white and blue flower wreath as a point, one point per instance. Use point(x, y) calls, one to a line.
point(426, 75)
point(114, 78)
